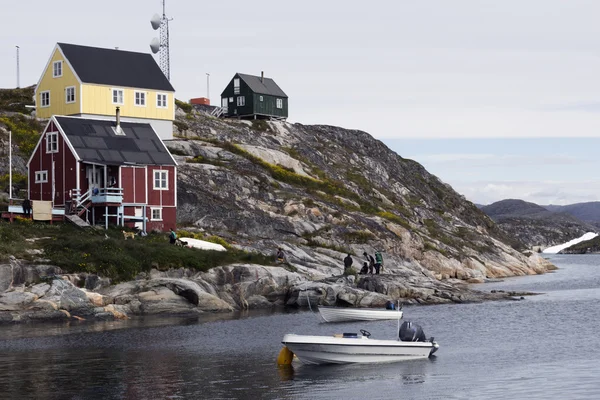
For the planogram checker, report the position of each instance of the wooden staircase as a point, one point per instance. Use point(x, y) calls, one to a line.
point(77, 221)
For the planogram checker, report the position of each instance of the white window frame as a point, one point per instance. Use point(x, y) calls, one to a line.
point(120, 93)
point(162, 176)
point(42, 99)
point(58, 64)
point(236, 86)
point(161, 100)
point(160, 214)
point(41, 176)
point(141, 98)
point(67, 94)
point(279, 103)
point(231, 99)
point(260, 98)
point(241, 101)
point(52, 142)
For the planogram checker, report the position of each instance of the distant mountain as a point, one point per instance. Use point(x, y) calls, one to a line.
point(534, 225)
point(515, 208)
point(587, 212)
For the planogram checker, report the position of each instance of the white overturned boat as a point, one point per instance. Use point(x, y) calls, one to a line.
point(340, 314)
point(354, 348)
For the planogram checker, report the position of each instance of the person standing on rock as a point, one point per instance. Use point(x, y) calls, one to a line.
point(378, 261)
point(371, 261)
point(348, 262)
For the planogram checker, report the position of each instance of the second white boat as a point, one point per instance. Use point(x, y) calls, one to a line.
point(340, 314)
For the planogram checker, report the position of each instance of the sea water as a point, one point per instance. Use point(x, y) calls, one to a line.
point(542, 347)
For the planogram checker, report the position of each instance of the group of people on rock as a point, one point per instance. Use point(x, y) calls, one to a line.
point(369, 265)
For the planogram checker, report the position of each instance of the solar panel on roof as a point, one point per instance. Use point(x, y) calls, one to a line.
point(94, 142)
point(87, 129)
point(160, 158)
point(137, 158)
point(146, 145)
point(76, 141)
point(112, 156)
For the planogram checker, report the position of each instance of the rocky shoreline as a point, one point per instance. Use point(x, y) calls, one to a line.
point(44, 293)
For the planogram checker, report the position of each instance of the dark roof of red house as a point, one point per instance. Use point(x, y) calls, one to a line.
point(115, 67)
point(96, 141)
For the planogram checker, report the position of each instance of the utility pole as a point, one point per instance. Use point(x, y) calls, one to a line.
point(10, 167)
point(18, 72)
point(208, 86)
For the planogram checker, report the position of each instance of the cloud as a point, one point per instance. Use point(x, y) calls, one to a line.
point(470, 160)
point(539, 192)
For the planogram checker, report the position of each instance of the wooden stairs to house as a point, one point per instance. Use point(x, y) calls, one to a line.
point(217, 112)
point(77, 221)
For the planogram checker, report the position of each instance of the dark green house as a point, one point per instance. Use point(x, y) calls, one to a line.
point(254, 97)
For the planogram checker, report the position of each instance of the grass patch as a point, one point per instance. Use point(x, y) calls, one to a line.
point(16, 99)
point(19, 182)
point(261, 125)
point(358, 236)
point(203, 160)
point(25, 132)
point(76, 250)
point(186, 107)
point(182, 126)
point(177, 152)
point(394, 218)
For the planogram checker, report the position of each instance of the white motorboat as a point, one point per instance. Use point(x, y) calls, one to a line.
point(340, 314)
point(352, 348)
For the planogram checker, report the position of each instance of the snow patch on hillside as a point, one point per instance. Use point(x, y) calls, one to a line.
point(557, 248)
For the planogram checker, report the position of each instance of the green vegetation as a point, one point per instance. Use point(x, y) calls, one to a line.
point(430, 246)
point(176, 152)
point(186, 107)
point(19, 182)
point(261, 125)
point(203, 160)
point(76, 250)
point(16, 99)
point(351, 271)
point(308, 202)
point(25, 132)
point(358, 236)
point(359, 179)
point(182, 126)
point(394, 218)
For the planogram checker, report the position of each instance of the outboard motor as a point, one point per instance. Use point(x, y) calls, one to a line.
point(390, 305)
point(411, 332)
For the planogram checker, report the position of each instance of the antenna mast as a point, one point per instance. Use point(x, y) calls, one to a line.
point(161, 45)
point(18, 70)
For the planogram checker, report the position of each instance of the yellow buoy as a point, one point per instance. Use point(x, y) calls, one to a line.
point(285, 356)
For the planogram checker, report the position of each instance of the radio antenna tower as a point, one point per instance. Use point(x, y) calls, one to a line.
point(161, 45)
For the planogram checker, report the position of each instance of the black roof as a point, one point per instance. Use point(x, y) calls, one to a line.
point(262, 86)
point(95, 141)
point(115, 67)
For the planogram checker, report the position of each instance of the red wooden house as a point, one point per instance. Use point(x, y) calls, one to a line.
point(107, 172)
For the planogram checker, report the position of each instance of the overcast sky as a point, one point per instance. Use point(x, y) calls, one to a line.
point(401, 70)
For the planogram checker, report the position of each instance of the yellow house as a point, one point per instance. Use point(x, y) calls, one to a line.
point(92, 82)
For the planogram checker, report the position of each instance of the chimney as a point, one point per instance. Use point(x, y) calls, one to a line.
point(117, 129)
point(262, 76)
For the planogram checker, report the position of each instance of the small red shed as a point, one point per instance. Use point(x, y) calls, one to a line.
point(107, 172)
